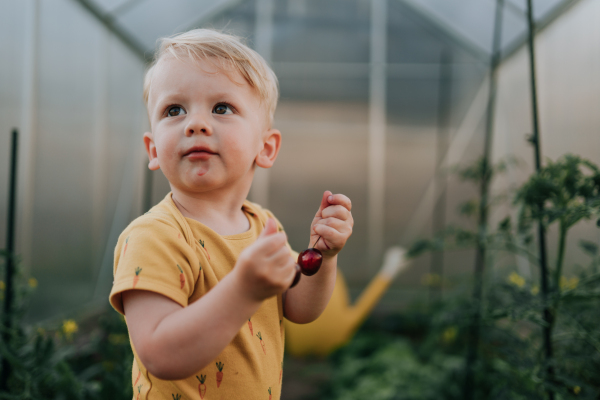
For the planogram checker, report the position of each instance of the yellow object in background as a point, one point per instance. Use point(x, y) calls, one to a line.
point(340, 320)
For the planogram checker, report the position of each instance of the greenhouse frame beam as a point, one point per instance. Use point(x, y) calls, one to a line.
point(124, 7)
point(109, 23)
point(263, 33)
point(540, 25)
point(377, 129)
point(445, 31)
point(349, 70)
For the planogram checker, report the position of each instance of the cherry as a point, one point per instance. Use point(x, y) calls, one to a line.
point(310, 260)
point(297, 277)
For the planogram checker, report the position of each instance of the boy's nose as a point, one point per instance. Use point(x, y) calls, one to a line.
point(197, 125)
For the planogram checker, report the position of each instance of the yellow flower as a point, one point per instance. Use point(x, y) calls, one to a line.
point(117, 338)
point(2, 285)
point(108, 366)
point(32, 283)
point(449, 334)
point(568, 284)
point(69, 328)
point(535, 290)
point(433, 280)
point(576, 390)
point(516, 279)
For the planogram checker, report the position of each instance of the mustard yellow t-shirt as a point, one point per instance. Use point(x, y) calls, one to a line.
point(164, 252)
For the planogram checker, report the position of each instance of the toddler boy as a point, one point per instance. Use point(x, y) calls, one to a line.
point(203, 278)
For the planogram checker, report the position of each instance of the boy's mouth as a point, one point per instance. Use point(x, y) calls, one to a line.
point(198, 152)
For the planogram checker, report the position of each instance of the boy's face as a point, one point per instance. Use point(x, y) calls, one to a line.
point(208, 128)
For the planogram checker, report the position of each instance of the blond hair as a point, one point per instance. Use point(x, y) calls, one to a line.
point(230, 54)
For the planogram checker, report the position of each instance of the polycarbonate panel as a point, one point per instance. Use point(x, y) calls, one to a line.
point(324, 147)
point(12, 42)
point(568, 84)
point(409, 40)
point(86, 82)
point(124, 164)
point(473, 20)
point(110, 6)
point(151, 19)
point(62, 237)
point(238, 20)
point(322, 31)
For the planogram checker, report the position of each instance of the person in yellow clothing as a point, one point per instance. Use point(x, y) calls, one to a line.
point(204, 277)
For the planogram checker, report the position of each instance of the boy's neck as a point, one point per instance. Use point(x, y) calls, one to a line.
point(222, 214)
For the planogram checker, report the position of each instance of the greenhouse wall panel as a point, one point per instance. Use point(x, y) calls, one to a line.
point(12, 24)
point(568, 89)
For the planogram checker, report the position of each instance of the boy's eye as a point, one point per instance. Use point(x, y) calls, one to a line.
point(222, 109)
point(175, 111)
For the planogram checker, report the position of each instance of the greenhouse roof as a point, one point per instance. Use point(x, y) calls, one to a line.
point(467, 22)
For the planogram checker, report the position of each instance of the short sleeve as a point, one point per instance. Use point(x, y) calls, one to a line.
point(153, 255)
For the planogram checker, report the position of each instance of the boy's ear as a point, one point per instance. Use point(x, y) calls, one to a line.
point(271, 145)
point(151, 150)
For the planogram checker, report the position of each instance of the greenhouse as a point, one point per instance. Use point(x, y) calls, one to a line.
point(465, 133)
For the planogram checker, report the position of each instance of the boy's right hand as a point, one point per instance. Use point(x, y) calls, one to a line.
point(266, 268)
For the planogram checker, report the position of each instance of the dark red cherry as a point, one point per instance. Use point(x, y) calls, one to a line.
point(310, 261)
point(297, 277)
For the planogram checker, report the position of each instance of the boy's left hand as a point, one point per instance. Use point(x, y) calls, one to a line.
point(333, 222)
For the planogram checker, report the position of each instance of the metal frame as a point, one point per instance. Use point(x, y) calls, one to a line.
point(259, 192)
point(540, 25)
point(108, 20)
point(377, 128)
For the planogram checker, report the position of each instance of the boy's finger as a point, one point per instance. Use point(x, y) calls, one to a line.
point(337, 211)
point(337, 224)
point(340, 199)
point(269, 244)
point(332, 238)
point(269, 229)
point(324, 202)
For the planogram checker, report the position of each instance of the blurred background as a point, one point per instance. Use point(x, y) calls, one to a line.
point(379, 98)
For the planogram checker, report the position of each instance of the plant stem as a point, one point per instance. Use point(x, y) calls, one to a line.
point(561, 255)
point(486, 174)
point(535, 139)
point(316, 242)
point(7, 315)
point(439, 211)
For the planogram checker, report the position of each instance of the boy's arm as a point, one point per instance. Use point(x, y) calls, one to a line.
point(333, 223)
point(174, 342)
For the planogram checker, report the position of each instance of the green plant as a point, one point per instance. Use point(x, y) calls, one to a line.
point(561, 194)
point(52, 362)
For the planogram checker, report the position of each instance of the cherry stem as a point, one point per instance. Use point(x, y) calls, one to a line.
point(316, 242)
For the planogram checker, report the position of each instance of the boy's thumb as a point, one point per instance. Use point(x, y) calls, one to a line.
point(270, 228)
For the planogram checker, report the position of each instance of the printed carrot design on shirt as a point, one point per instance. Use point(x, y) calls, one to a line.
point(281, 372)
point(262, 343)
point(269, 393)
point(138, 377)
point(220, 366)
point(181, 276)
point(201, 386)
point(136, 278)
point(139, 388)
point(204, 247)
point(125, 250)
point(250, 326)
point(176, 396)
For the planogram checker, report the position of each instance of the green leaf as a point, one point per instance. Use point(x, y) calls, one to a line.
point(590, 248)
